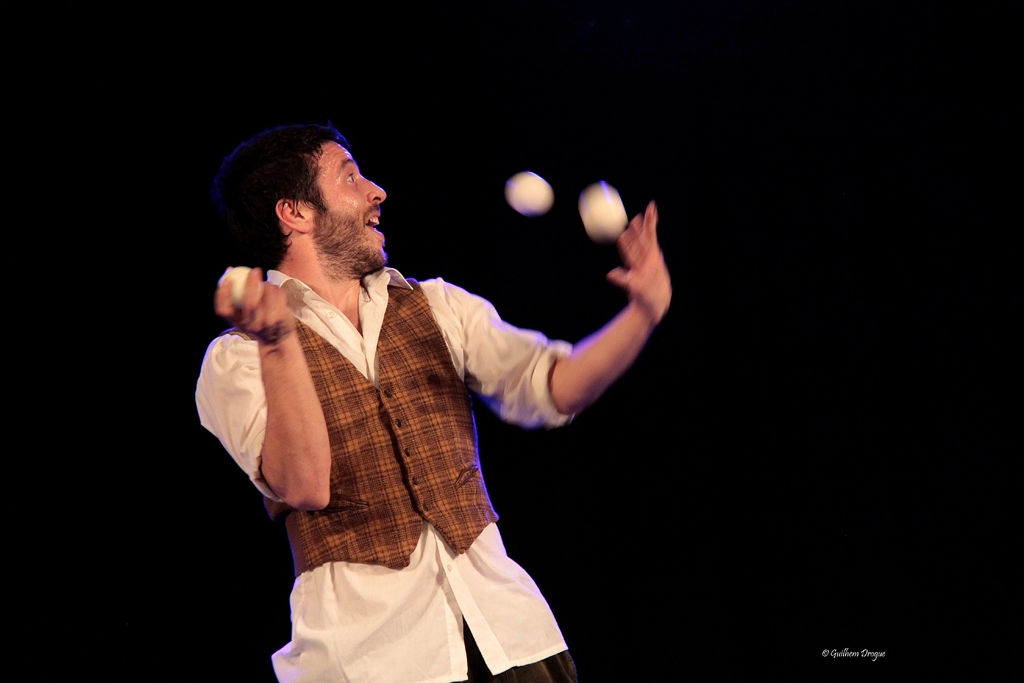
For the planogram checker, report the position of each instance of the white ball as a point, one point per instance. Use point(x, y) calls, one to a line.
point(237, 277)
point(529, 194)
point(602, 212)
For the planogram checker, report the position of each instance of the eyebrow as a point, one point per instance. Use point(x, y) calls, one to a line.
point(349, 160)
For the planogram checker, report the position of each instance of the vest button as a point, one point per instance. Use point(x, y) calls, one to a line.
point(387, 392)
point(407, 453)
point(415, 481)
point(398, 423)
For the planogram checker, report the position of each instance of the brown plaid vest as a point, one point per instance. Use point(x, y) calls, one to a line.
point(401, 454)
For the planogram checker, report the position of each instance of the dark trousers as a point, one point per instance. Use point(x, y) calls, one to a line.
point(555, 669)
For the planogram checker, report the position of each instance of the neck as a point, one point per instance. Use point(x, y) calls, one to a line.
point(342, 293)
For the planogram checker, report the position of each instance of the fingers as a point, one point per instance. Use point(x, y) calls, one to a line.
point(253, 306)
point(647, 221)
point(651, 220)
point(646, 232)
point(643, 275)
point(253, 291)
point(619, 277)
point(629, 241)
point(222, 300)
point(640, 238)
point(262, 311)
point(624, 244)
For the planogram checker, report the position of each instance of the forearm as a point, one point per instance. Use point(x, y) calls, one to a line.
point(296, 457)
point(295, 461)
point(599, 360)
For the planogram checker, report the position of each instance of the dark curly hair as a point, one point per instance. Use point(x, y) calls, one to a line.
point(279, 163)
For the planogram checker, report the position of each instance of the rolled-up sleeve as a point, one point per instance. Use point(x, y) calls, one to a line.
point(506, 366)
point(232, 403)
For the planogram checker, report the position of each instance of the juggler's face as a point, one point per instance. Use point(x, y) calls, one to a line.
point(347, 240)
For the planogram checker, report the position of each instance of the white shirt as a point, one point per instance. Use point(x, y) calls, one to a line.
point(358, 622)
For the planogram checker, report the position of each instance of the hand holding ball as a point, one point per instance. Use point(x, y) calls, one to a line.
point(253, 306)
point(237, 278)
point(529, 194)
point(602, 212)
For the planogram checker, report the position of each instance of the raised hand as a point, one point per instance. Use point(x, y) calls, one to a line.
point(643, 274)
point(262, 312)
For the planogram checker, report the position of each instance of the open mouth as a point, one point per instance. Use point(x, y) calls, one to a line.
point(373, 222)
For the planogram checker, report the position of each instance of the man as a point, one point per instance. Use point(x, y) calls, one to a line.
point(342, 392)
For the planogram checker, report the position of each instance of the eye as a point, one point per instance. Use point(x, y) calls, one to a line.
point(351, 177)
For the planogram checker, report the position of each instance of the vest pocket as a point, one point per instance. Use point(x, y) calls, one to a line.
point(466, 475)
point(341, 503)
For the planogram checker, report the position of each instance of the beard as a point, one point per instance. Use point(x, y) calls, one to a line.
point(346, 248)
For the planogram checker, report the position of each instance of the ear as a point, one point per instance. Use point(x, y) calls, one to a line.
point(294, 216)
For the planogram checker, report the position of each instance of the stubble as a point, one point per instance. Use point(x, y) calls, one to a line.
point(346, 248)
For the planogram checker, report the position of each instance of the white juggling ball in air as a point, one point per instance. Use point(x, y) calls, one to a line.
point(529, 194)
point(602, 212)
point(237, 277)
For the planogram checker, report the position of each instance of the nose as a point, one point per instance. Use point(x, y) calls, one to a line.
point(375, 194)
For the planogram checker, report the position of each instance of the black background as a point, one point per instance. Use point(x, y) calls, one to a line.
point(813, 452)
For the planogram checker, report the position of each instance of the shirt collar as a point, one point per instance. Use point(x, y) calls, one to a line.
point(378, 279)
